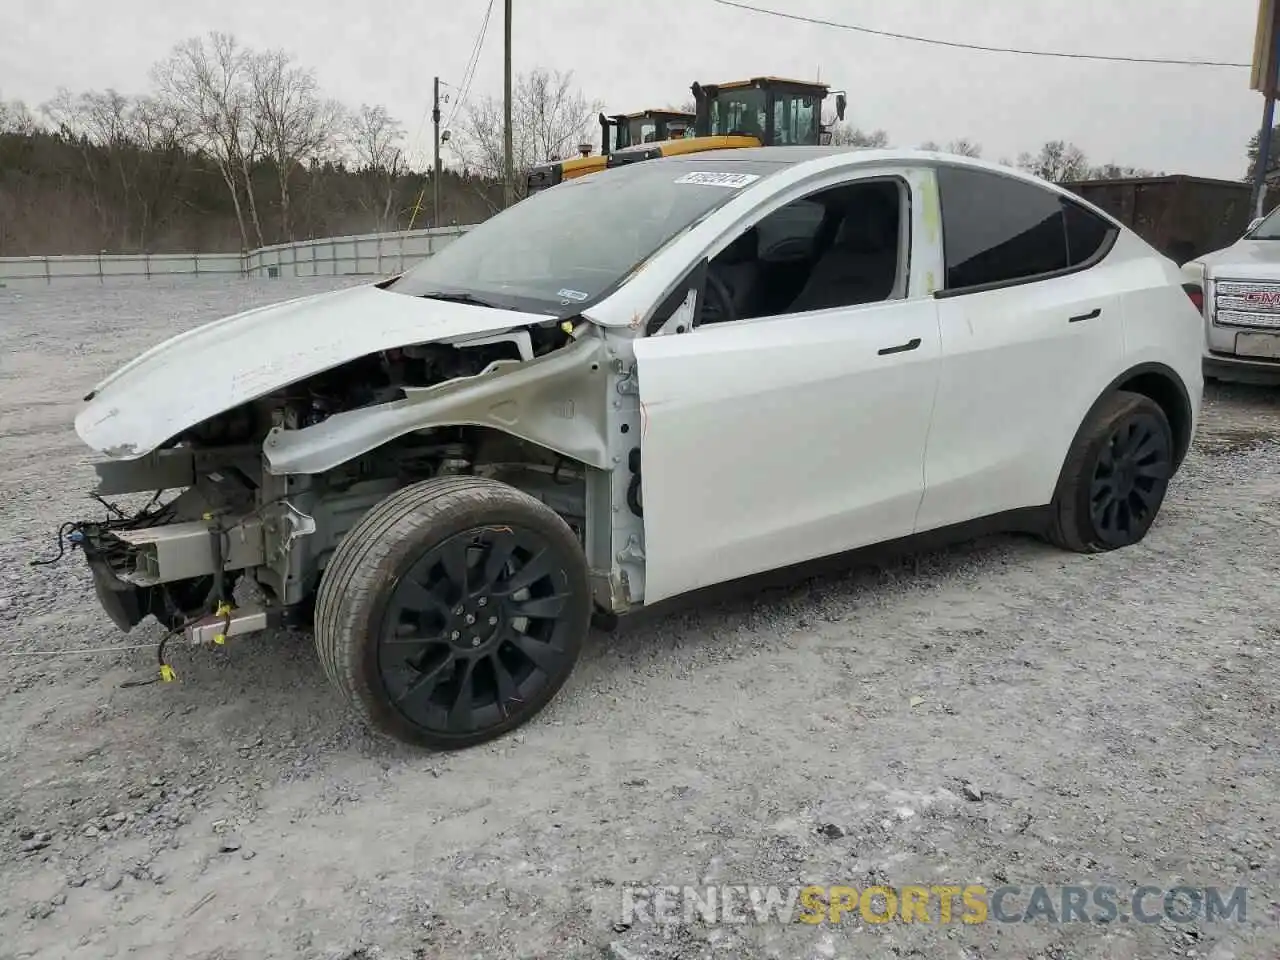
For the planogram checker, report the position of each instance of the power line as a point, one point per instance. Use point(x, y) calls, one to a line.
point(976, 46)
point(470, 72)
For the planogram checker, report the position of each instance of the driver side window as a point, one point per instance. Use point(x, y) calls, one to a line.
point(842, 247)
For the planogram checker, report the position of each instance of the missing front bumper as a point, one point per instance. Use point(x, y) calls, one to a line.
point(182, 551)
point(168, 570)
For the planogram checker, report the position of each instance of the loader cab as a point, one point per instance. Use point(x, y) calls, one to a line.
point(772, 110)
point(764, 111)
point(620, 131)
point(623, 130)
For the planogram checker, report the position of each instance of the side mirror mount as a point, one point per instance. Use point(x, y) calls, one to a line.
point(841, 103)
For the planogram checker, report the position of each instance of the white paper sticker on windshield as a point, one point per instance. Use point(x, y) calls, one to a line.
point(572, 295)
point(734, 181)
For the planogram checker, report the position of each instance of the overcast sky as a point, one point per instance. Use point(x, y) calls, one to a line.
point(1180, 119)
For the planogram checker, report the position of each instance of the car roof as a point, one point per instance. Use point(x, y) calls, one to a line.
point(762, 159)
point(855, 156)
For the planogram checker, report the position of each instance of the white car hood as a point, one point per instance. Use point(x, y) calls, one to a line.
point(202, 372)
point(1245, 259)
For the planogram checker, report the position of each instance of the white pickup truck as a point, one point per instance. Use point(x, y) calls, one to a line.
point(1239, 294)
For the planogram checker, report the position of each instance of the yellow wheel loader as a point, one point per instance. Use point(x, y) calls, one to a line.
point(617, 132)
point(762, 111)
point(647, 126)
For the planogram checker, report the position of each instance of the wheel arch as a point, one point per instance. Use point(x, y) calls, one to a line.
point(1162, 385)
point(1159, 383)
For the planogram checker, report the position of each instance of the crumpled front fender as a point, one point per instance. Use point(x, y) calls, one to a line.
point(556, 401)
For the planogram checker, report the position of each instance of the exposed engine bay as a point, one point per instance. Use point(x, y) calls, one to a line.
point(380, 378)
point(235, 522)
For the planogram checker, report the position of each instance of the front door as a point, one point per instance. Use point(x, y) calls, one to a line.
point(775, 439)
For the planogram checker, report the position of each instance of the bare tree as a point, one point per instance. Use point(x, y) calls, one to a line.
point(161, 139)
point(16, 118)
point(550, 117)
point(93, 122)
point(1273, 159)
point(845, 134)
point(932, 146)
point(1112, 171)
point(964, 147)
point(1056, 162)
point(291, 121)
point(376, 140)
point(206, 82)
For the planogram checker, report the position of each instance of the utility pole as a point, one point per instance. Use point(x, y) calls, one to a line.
point(509, 177)
point(1266, 80)
point(1264, 158)
point(435, 170)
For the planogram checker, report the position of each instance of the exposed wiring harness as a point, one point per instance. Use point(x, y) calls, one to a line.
point(68, 533)
point(74, 534)
point(166, 672)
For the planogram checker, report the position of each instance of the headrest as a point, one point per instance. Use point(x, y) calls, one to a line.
point(870, 224)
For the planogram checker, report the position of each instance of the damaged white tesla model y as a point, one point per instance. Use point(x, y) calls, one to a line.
point(633, 385)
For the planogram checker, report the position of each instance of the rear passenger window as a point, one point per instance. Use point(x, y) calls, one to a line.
point(996, 229)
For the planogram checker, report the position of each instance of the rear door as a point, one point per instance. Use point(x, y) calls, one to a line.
point(1031, 335)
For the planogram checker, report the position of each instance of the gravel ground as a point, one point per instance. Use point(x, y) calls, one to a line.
point(999, 712)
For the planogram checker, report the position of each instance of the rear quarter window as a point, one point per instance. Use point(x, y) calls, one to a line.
point(1087, 233)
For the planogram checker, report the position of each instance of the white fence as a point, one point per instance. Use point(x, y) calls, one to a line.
point(373, 254)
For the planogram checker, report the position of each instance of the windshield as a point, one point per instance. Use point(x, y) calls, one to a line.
point(739, 111)
point(562, 248)
point(1269, 228)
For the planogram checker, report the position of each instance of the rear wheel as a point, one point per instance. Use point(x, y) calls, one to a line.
point(1115, 477)
point(453, 611)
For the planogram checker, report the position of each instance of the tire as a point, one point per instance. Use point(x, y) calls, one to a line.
point(1115, 476)
point(453, 612)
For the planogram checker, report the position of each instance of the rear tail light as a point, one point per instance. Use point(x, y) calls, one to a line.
point(1196, 293)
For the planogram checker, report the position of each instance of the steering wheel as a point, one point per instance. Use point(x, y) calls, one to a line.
point(717, 291)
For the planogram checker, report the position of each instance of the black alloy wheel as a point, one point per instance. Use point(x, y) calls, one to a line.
point(1129, 479)
point(453, 611)
point(1115, 476)
point(475, 629)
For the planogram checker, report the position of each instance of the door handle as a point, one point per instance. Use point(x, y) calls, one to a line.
point(900, 348)
point(1091, 315)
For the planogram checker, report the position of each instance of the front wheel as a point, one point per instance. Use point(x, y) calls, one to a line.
point(453, 611)
point(1115, 476)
